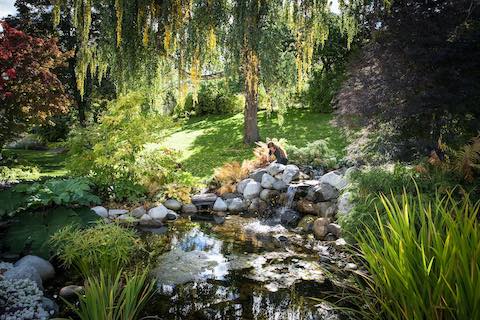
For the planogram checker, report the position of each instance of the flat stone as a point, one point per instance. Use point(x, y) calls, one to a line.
point(189, 209)
point(116, 212)
point(220, 205)
point(204, 199)
point(138, 212)
point(100, 211)
point(173, 204)
point(43, 267)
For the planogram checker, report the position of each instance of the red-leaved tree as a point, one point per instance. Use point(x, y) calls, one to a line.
point(30, 92)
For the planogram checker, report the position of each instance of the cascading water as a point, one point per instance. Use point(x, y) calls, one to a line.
point(291, 191)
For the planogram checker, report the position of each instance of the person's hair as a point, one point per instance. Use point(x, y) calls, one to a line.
point(271, 144)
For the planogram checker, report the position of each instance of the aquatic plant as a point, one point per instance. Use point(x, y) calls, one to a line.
point(109, 297)
point(426, 262)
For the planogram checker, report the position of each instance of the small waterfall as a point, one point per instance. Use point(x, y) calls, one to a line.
point(291, 191)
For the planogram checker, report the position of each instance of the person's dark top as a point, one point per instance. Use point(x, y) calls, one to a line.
point(279, 155)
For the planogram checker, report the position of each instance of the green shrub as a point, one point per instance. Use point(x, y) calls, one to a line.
point(322, 88)
point(21, 173)
point(316, 153)
point(213, 98)
point(426, 262)
point(109, 297)
point(60, 192)
point(104, 247)
point(115, 154)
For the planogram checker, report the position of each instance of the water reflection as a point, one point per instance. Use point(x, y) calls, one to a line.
point(208, 276)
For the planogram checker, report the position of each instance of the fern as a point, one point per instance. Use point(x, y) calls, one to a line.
point(467, 159)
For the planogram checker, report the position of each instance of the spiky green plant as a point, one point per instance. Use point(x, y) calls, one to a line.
point(109, 297)
point(426, 262)
point(104, 247)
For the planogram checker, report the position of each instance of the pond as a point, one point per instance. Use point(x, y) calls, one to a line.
point(242, 269)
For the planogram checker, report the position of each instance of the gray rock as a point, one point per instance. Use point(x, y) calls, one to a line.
point(290, 173)
point(220, 205)
point(24, 272)
point(322, 192)
point(189, 209)
point(159, 212)
point(173, 204)
point(204, 199)
point(252, 190)
point(320, 228)
point(289, 218)
point(100, 211)
point(326, 209)
point(50, 306)
point(171, 215)
point(242, 184)
point(275, 168)
point(112, 213)
point(230, 195)
point(340, 242)
point(138, 212)
point(258, 174)
point(334, 229)
point(267, 181)
point(280, 185)
point(335, 180)
point(236, 205)
point(71, 291)
point(269, 195)
point(42, 266)
point(125, 217)
point(258, 206)
point(345, 205)
point(351, 266)
point(147, 220)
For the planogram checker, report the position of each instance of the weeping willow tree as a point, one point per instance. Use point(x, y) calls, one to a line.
point(141, 41)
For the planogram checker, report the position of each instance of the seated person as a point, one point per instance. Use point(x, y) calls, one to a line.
point(278, 152)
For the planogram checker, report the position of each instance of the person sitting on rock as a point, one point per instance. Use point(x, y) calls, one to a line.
point(278, 152)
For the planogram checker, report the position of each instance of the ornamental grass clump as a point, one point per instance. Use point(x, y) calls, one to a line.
point(114, 297)
point(426, 262)
point(103, 248)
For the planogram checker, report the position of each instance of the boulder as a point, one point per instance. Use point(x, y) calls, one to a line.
point(24, 272)
point(334, 229)
point(258, 174)
point(252, 190)
point(258, 206)
point(267, 181)
point(280, 185)
point(335, 180)
point(242, 184)
point(171, 215)
point(173, 204)
point(307, 207)
point(322, 192)
point(320, 228)
point(269, 195)
point(289, 218)
point(306, 223)
point(275, 168)
point(147, 220)
point(326, 209)
point(220, 205)
point(158, 213)
point(100, 211)
point(345, 205)
point(71, 291)
point(42, 266)
point(113, 213)
point(138, 212)
point(204, 199)
point(236, 205)
point(189, 209)
point(290, 173)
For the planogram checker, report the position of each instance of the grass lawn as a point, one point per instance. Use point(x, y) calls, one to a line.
point(48, 162)
point(208, 142)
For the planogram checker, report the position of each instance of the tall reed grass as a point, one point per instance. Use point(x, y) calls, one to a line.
point(426, 262)
point(112, 297)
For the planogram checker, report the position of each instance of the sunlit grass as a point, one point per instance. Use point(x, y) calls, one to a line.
point(208, 142)
point(49, 163)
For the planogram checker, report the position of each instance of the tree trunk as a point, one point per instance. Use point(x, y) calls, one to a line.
point(251, 73)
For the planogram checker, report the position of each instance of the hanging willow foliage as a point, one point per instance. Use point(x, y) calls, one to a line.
point(190, 32)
